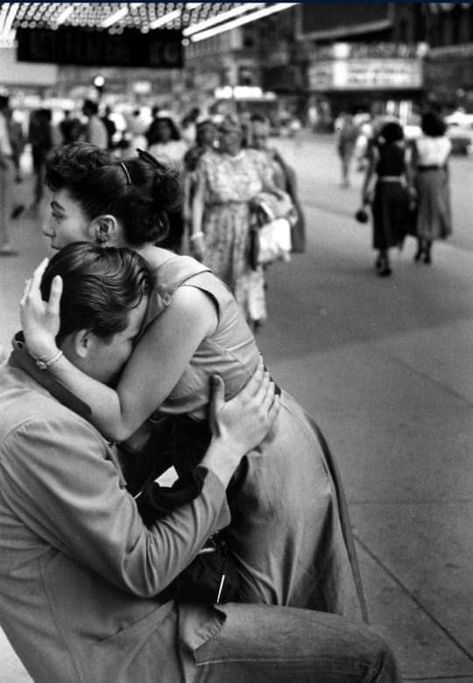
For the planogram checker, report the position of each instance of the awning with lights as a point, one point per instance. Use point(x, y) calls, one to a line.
point(196, 20)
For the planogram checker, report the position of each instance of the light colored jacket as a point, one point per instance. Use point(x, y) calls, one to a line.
point(79, 572)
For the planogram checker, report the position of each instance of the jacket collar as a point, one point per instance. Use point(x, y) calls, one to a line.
point(20, 358)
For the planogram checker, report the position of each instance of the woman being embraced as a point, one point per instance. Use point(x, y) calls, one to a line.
point(288, 539)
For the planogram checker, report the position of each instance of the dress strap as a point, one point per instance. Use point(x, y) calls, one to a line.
point(174, 272)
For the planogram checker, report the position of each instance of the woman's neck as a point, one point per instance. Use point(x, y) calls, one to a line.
point(153, 255)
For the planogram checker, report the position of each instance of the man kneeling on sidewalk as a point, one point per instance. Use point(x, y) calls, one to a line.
point(81, 575)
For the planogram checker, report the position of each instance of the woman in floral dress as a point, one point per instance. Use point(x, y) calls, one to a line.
point(228, 180)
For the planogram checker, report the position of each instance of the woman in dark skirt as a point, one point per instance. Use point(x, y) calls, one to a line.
point(390, 197)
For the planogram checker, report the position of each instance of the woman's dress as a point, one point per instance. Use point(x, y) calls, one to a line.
point(391, 202)
point(289, 535)
point(434, 219)
point(230, 182)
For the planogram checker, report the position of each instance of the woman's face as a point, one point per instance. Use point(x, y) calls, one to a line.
point(67, 222)
point(229, 139)
point(164, 131)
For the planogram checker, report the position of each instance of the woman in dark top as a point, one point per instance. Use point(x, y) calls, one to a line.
point(389, 198)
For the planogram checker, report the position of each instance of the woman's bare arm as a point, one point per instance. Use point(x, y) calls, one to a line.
point(154, 368)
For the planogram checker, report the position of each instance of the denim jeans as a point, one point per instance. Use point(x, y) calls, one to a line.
point(259, 644)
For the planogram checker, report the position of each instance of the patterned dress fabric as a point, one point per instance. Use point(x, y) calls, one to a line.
point(230, 183)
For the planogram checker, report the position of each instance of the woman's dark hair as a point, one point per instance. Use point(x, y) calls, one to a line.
point(138, 191)
point(433, 125)
point(175, 134)
point(391, 132)
point(101, 286)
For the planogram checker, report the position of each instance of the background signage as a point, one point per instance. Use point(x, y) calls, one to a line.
point(159, 49)
point(366, 74)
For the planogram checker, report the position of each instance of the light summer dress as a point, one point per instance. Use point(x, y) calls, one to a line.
point(230, 182)
point(289, 536)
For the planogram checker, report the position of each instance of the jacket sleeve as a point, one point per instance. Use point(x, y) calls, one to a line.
point(58, 476)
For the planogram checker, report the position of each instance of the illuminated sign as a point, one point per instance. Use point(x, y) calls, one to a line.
point(159, 49)
point(366, 74)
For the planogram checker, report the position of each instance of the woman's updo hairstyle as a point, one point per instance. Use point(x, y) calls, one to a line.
point(138, 191)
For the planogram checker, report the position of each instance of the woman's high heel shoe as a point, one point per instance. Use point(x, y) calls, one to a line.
point(419, 254)
point(383, 268)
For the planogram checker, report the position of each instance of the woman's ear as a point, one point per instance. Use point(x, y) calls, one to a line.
point(106, 230)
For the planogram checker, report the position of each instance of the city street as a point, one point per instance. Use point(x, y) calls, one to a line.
point(384, 366)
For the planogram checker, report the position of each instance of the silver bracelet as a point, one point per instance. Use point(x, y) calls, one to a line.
point(46, 364)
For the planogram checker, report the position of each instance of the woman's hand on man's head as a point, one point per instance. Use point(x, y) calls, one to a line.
point(40, 320)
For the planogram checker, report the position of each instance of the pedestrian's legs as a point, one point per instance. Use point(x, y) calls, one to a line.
point(6, 182)
point(383, 267)
point(420, 249)
point(427, 251)
point(262, 644)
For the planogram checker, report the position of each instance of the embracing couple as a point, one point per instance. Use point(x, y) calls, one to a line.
point(124, 342)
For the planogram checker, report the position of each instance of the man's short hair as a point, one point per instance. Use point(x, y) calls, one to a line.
point(100, 287)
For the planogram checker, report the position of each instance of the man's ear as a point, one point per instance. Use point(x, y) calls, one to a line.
point(79, 344)
point(106, 230)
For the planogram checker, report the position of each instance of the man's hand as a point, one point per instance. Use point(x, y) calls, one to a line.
point(240, 424)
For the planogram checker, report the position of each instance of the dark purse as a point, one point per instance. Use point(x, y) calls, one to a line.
point(361, 216)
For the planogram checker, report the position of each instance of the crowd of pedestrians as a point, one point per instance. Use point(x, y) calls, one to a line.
point(405, 182)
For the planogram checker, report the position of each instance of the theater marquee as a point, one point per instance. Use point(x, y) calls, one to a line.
point(366, 74)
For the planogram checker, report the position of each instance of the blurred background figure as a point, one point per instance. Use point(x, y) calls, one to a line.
point(40, 136)
point(18, 142)
point(347, 134)
point(189, 126)
point(205, 140)
point(283, 176)
point(389, 198)
point(110, 126)
point(137, 127)
point(228, 179)
point(150, 133)
point(95, 131)
point(70, 128)
point(430, 154)
point(167, 145)
point(6, 178)
point(169, 149)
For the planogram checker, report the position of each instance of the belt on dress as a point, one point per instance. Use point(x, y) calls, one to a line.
point(391, 179)
point(430, 167)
